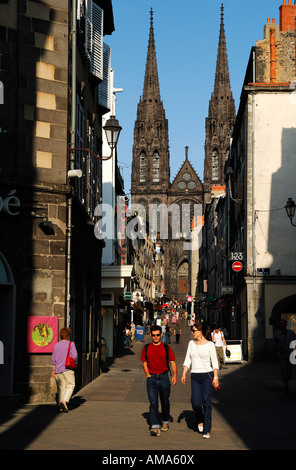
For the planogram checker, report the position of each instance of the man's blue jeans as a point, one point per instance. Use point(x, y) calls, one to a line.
point(159, 386)
point(201, 399)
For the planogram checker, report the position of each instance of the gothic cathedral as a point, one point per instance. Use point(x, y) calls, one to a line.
point(151, 184)
point(220, 121)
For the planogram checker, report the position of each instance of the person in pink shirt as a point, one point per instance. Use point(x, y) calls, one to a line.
point(65, 378)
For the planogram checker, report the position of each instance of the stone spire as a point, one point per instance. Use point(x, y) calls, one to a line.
point(151, 166)
point(222, 88)
point(151, 83)
point(220, 120)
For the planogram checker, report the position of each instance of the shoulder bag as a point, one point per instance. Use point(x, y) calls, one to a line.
point(70, 362)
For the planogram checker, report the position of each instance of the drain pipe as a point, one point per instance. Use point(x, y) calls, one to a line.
point(253, 195)
point(71, 160)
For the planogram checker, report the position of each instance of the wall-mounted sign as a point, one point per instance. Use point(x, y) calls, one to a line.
point(237, 266)
point(236, 256)
point(107, 298)
point(227, 290)
point(263, 271)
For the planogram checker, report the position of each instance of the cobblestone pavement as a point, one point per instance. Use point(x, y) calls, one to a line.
point(250, 412)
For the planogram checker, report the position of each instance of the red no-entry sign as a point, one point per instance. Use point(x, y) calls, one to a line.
point(237, 266)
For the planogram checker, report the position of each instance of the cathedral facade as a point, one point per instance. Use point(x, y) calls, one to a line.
point(184, 196)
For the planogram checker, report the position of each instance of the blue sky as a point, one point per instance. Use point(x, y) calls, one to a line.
point(186, 37)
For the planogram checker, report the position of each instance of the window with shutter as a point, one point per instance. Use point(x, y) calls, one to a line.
point(94, 38)
point(104, 91)
point(80, 156)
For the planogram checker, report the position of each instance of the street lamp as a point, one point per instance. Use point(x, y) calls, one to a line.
point(112, 130)
point(290, 209)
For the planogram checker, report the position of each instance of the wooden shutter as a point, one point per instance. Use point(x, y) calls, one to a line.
point(94, 38)
point(104, 88)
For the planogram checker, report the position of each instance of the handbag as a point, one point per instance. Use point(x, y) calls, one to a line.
point(70, 362)
point(228, 353)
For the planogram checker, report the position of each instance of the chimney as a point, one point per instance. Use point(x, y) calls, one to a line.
point(287, 15)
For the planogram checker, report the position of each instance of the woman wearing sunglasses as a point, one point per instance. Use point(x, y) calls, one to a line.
point(201, 357)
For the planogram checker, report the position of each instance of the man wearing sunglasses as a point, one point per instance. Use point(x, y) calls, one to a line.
point(156, 361)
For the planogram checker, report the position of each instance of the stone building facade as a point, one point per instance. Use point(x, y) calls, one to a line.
point(260, 178)
point(50, 259)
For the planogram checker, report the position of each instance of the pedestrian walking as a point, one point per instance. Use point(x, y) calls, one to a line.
point(168, 332)
point(283, 348)
point(65, 378)
point(127, 339)
point(133, 330)
point(219, 341)
point(178, 332)
point(157, 358)
point(201, 357)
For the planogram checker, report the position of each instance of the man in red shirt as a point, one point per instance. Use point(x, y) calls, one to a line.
point(156, 362)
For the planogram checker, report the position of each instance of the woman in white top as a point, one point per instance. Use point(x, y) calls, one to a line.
point(201, 357)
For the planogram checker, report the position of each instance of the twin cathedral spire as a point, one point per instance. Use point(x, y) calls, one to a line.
point(151, 182)
point(151, 159)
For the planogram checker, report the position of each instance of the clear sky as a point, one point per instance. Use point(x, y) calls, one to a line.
point(186, 38)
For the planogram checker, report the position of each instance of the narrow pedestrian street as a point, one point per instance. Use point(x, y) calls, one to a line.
point(250, 412)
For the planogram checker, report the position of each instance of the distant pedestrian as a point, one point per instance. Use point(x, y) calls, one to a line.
point(178, 332)
point(168, 333)
point(163, 331)
point(219, 341)
point(224, 331)
point(201, 357)
point(282, 340)
point(133, 330)
point(157, 358)
point(65, 378)
point(127, 339)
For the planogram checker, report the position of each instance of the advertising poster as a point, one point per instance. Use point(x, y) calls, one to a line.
point(42, 334)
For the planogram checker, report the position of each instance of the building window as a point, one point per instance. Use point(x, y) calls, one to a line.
point(142, 167)
point(155, 167)
point(215, 166)
point(80, 155)
point(91, 165)
point(94, 38)
point(104, 90)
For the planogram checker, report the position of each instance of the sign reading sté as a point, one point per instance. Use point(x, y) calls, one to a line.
point(10, 204)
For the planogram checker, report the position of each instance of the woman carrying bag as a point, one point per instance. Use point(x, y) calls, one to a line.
point(201, 357)
point(63, 368)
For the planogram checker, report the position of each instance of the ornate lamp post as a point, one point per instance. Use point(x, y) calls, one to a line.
point(290, 209)
point(112, 130)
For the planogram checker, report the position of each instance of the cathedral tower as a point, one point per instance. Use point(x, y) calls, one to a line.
point(151, 166)
point(220, 120)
